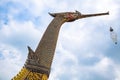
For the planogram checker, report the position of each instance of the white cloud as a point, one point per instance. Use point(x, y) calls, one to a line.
point(117, 72)
point(10, 63)
point(102, 67)
point(16, 32)
point(108, 5)
point(62, 59)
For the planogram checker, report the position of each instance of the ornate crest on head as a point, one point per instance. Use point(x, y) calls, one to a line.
point(68, 16)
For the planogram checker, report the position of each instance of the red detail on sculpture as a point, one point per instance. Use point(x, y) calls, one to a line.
point(70, 16)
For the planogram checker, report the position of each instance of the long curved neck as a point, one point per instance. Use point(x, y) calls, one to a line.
point(48, 41)
point(47, 45)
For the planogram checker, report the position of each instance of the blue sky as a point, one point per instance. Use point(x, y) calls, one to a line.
point(84, 49)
